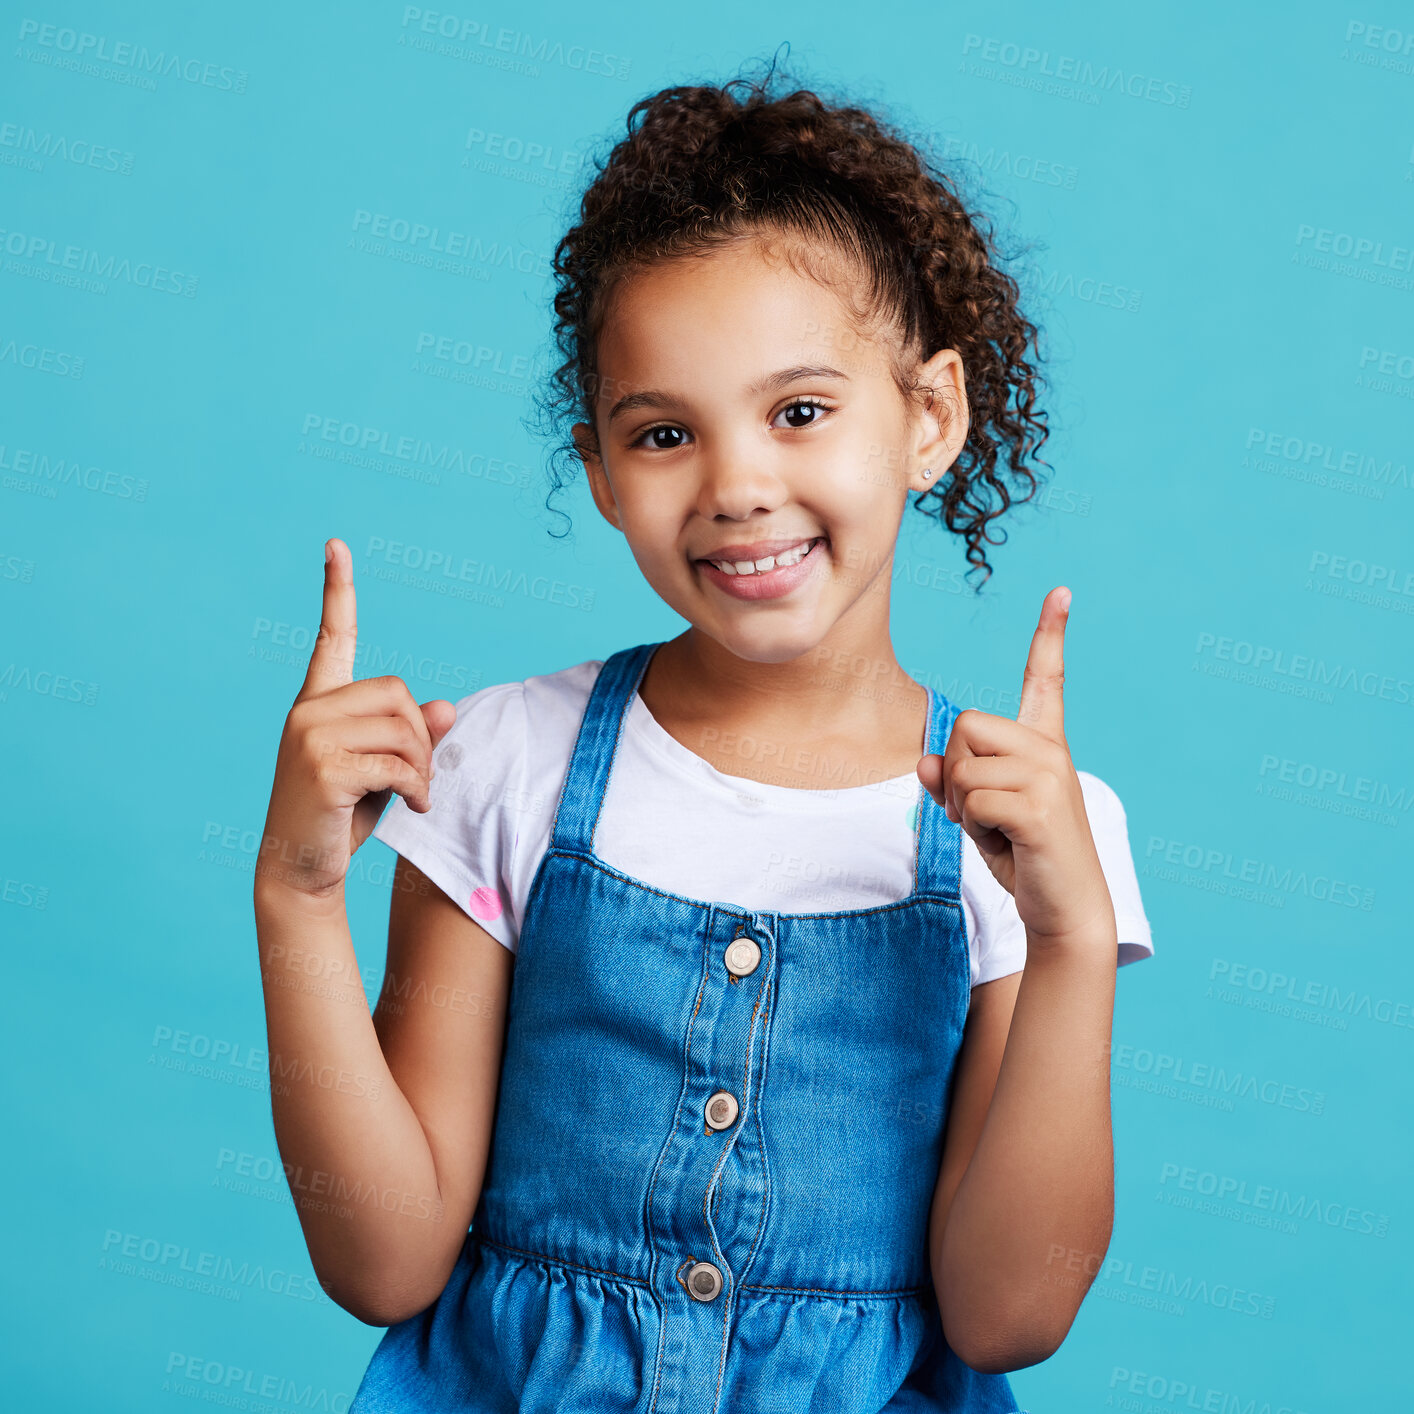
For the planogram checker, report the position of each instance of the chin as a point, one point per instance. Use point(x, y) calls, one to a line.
point(764, 642)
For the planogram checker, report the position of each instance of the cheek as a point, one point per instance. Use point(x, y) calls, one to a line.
point(863, 467)
point(652, 525)
point(853, 492)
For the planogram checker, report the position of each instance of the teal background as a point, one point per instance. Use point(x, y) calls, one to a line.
point(1231, 403)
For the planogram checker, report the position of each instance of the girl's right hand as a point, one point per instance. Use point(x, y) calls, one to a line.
point(346, 747)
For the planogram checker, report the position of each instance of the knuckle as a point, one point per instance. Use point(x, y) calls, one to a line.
point(410, 741)
point(410, 783)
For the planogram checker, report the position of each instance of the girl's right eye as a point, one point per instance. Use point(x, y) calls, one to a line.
point(662, 427)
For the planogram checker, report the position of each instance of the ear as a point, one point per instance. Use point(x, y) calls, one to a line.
point(944, 421)
point(599, 486)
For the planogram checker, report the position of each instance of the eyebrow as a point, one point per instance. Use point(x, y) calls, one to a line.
point(651, 397)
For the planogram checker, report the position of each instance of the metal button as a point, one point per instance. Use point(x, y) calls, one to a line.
point(742, 956)
point(704, 1281)
point(722, 1110)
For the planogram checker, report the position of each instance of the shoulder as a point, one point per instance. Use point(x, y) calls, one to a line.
point(513, 742)
point(499, 768)
point(553, 703)
point(496, 722)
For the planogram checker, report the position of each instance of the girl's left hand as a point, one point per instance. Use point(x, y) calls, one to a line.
point(1011, 785)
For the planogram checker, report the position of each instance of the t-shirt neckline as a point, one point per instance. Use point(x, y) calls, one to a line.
point(657, 737)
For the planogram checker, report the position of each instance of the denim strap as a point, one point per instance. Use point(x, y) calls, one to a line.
point(938, 864)
point(577, 813)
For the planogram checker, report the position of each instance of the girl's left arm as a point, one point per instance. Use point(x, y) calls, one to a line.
point(1024, 1204)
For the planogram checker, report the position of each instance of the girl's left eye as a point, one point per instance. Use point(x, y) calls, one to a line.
point(817, 406)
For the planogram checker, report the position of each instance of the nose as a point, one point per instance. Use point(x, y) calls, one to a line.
point(737, 480)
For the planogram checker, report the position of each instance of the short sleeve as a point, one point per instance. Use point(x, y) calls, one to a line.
point(466, 843)
point(1001, 942)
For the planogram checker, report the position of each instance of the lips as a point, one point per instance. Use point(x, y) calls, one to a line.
point(760, 557)
point(803, 562)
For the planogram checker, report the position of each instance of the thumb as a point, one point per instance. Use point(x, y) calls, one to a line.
point(440, 716)
point(930, 772)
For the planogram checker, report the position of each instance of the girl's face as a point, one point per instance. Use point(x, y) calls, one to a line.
point(744, 418)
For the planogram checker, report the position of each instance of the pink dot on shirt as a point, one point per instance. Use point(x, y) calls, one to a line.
point(486, 903)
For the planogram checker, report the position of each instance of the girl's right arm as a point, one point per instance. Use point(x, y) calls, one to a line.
point(383, 1121)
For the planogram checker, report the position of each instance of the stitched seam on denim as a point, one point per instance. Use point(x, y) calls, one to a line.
point(722, 1349)
point(895, 1294)
point(961, 950)
point(922, 791)
point(721, 1164)
point(702, 991)
point(775, 968)
point(726, 1312)
point(756, 1013)
point(625, 698)
point(947, 714)
point(601, 782)
point(735, 1132)
point(574, 754)
point(657, 1167)
point(558, 1261)
point(531, 905)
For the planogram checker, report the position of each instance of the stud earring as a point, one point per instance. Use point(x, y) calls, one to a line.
point(927, 472)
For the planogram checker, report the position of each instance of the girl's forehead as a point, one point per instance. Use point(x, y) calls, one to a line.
point(736, 300)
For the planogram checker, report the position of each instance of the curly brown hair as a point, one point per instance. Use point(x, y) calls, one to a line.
point(705, 164)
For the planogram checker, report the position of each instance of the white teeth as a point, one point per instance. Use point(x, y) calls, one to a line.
point(782, 561)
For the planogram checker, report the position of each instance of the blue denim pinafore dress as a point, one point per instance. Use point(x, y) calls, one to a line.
point(716, 1142)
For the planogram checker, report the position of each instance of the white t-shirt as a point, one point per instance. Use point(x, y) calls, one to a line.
point(672, 820)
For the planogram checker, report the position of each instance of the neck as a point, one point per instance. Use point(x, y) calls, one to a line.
point(831, 691)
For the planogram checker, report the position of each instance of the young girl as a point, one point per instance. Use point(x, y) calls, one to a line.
point(797, 1097)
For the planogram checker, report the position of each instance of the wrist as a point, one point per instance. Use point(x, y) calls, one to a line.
point(277, 893)
point(1099, 935)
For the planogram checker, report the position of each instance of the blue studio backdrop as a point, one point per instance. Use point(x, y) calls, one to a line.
point(273, 274)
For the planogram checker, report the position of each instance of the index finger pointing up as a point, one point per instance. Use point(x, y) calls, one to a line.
point(1042, 706)
point(332, 662)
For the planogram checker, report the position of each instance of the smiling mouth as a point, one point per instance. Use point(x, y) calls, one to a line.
point(784, 559)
